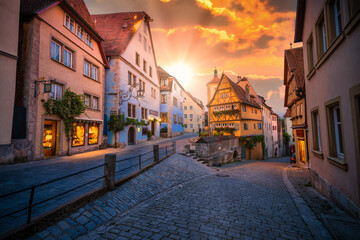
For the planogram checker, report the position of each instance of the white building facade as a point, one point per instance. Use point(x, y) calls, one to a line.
point(194, 114)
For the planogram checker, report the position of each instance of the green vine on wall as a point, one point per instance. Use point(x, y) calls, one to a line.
point(70, 106)
point(229, 112)
point(225, 130)
point(249, 142)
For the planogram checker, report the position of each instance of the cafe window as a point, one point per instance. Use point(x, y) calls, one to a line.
point(78, 134)
point(163, 117)
point(93, 133)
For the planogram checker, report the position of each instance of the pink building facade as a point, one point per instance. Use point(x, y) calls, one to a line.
point(330, 32)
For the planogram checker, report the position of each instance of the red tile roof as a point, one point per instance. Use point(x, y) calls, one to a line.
point(111, 28)
point(287, 114)
point(294, 58)
point(214, 80)
point(30, 8)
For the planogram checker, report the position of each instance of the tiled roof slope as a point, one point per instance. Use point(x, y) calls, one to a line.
point(241, 94)
point(294, 58)
point(116, 36)
point(287, 114)
point(214, 80)
point(30, 8)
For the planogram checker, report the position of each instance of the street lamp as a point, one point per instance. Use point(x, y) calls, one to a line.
point(127, 95)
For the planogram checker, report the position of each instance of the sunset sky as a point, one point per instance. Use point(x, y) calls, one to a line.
point(239, 37)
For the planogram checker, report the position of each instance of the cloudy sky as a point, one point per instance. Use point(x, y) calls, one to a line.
point(239, 37)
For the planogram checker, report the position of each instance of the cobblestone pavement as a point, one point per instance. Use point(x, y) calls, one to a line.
point(171, 172)
point(21, 176)
point(247, 201)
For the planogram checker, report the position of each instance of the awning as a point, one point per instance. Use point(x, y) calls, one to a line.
point(89, 120)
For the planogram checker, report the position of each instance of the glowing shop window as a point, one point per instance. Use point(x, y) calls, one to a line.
point(78, 135)
point(93, 133)
point(47, 138)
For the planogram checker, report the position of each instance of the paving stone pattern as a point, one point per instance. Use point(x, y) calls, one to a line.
point(172, 171)
point(249, 201)
point(21, 176)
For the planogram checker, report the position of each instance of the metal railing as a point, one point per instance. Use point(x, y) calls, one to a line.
point(126, 165)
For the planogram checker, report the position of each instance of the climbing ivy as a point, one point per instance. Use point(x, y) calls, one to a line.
point(249, 142)
point(225, 130)
point(118, 122)
point(229, 112)
point(70, 106)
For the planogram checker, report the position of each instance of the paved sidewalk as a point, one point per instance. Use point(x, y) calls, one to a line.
point(21, 176)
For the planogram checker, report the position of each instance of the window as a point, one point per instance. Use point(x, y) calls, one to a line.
point(145, 43)
point(163, 117)
point(129, 78)
point(175, 119)
point(191, 116)
point(67, 58)
point(252, 110)
point(191, 125)
point(259, 126)
point(153, 93)
point(337, 13)
point(224, 125)
point(310, 52)
point(78, 134)
point(254, 126)
point(87, 69)
point(245, 126)
point(94, 72)
point(185, 107)
point(144, 113)
point(321, 36)
point(150, 71)
point(335, 130)
point(231, 125)
point(316, 131)
point(69, 23)
point(144, 66)
point(87, 99)
point(233, 106)
point(143, 88)
point(61, 53)
point(131, 110)
point(137, 59)
point(80, 32)
point(181, 106)
point(55, 51)
point(145, 30)
point(175, 101)
point(175, 86)
point(88, 40)
point(134, 80)
point(163, 98)
point(191, 107)
point(56, 91)
point(95, 103)
point(218, 125)
point(185, 116)
point(255, 111)
point(93, 133)
point(244, 108)
point(163, 82)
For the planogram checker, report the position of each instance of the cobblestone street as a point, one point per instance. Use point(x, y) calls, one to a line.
point(183, 199)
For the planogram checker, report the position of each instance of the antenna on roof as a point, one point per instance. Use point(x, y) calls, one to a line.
point(125, 25)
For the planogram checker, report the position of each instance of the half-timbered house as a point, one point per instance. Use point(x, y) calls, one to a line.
point(232, 111)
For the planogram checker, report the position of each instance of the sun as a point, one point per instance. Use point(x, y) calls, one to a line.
point(182, 72)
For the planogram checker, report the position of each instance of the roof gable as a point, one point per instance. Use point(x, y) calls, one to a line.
point(239, 92)
point(118, 29)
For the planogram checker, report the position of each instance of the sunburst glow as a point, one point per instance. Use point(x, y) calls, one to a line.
point(181, 72)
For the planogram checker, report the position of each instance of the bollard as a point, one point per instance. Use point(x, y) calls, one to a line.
point(109, 171)
point(174, 146)
point(156, 154)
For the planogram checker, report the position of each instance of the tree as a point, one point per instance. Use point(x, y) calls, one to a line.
point(70, 106)
point(116, 124)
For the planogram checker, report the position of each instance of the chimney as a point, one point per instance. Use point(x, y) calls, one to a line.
point(215, 73)
point(238, 79)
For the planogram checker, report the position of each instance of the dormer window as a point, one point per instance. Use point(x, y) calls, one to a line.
point(88, 40)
